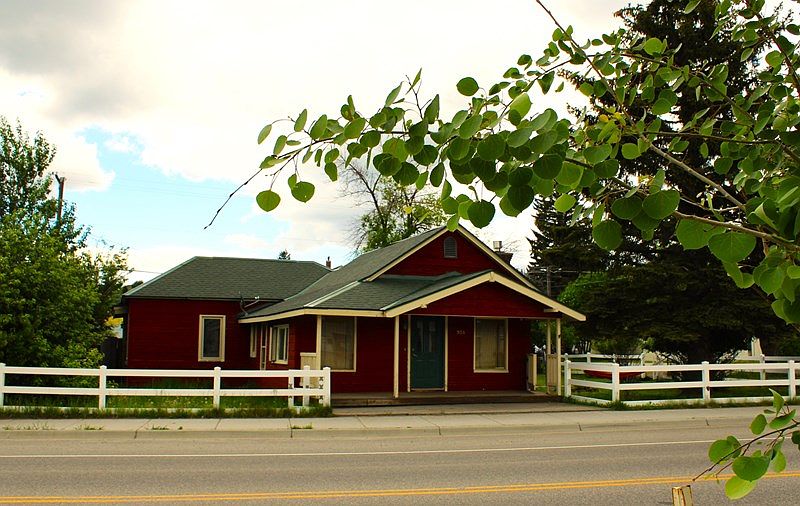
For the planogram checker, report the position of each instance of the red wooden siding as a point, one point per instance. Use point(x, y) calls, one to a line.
point(461, 357)
point(374, 359)
point(487, 299)
point(430, 260)
point(164, 334)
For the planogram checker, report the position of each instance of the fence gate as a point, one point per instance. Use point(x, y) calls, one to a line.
point(552, 374)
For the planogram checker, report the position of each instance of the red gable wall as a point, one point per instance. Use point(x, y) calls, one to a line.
point(488, 299)
point(430, 261)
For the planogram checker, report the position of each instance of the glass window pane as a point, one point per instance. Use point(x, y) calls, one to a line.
point(490, 344)
point(211, 337)
point(338, 342)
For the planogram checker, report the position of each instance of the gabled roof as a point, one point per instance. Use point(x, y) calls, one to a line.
point(390, 296)
point(223, 278)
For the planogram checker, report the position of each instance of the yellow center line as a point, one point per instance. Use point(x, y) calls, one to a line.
point(334, 494)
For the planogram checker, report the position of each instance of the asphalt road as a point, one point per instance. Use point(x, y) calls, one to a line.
point(617, 465)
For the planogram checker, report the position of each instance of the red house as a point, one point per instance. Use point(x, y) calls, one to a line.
point(438, 311)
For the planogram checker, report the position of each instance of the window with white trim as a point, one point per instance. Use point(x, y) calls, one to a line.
point(279, 344)
point(253, 341)
point(491, 344)
point(338, 342)
point(212, 338)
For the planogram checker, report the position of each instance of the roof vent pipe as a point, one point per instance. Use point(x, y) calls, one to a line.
point(328, 263)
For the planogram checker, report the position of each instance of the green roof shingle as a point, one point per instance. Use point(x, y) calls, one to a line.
point(231, 278)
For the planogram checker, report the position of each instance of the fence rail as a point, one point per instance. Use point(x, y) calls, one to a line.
point(312, 383)
point(616, 373)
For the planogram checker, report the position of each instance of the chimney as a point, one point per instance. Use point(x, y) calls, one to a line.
point(498, 249)
point(328, 263)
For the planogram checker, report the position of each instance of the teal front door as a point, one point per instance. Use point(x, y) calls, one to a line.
point(427, 352)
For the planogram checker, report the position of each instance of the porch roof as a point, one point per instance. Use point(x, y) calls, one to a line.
point(389, 296)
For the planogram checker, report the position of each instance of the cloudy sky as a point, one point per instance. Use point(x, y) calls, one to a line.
point(155, 106)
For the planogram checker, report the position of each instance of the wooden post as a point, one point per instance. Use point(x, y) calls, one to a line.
point(792, 382)
point(615, 397)
point(396, 390)
point(682, 496)
point(763, 373)
point(558, 352)
point(217, 386)
point(326, 386)
point(290, 397)
point(567, 378)
point(306, 383)
point(706, 378)
point(2, 382)
point(101, 390)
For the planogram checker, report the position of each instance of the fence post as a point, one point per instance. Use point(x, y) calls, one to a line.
point(589, 358)
point(792, 381)
point(306, 383)
point(101, 390)
point(762, 374)
point(706, 378)
point(2, 382)
point(290, 397)
point(567, 379)
point(615, 397)
point(326, 386)
point(217, 387)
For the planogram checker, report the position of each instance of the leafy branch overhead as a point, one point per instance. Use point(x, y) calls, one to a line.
point(500, 151)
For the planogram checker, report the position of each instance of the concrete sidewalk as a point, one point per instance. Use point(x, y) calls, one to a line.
point(417, 420)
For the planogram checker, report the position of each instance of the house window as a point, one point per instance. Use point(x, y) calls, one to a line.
point(279, 344)
point(212, 338)
point(253, 341)
point(338, 343)
point(450, 247)
point(491, 345)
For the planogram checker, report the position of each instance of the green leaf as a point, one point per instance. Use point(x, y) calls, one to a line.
point(732, 246)
point(586, 88)
point(520, 176)
point(692, 234)
point(777, 401)
point(332, 171)
point(467, 86)
point(491, 147)
point(736, 488)
point(627, 208)
point(783, 421)
point(481, 213)
point(470, 127)
point(519, 137)
point(268, 200)
point(607, 234)
point(653, 46)
point(774, 59)
point(630, 151)
point(268, 162)
point(355, 127)
point(720, 450)
point(520, 197)
point(300, 122)
point(303, 191)
point(392, 96)
point(691, 6)
point(607, 169)
point(661, 204)
point(319, 128)
point(793, 271)
point(661, 106)
point(264, 133)
point(280, 143)
point(548, 166)
point(778, 462)
point(758, 424)
point(437, 174)
point(521, 104)
point(564, 203)
point(432, 111)
point(570, 174)
point(459, 148)
point(750, 468)
point(596, 154)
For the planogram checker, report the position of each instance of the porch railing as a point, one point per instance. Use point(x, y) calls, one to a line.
point(305, 383)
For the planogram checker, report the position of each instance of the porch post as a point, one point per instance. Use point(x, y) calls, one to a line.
point(319, 343)
point(396, 392)
point(558, 352)
point(548, 337)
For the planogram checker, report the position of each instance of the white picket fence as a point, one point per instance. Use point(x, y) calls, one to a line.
point(615, 372)
point(588, 357)
point(305, 383)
